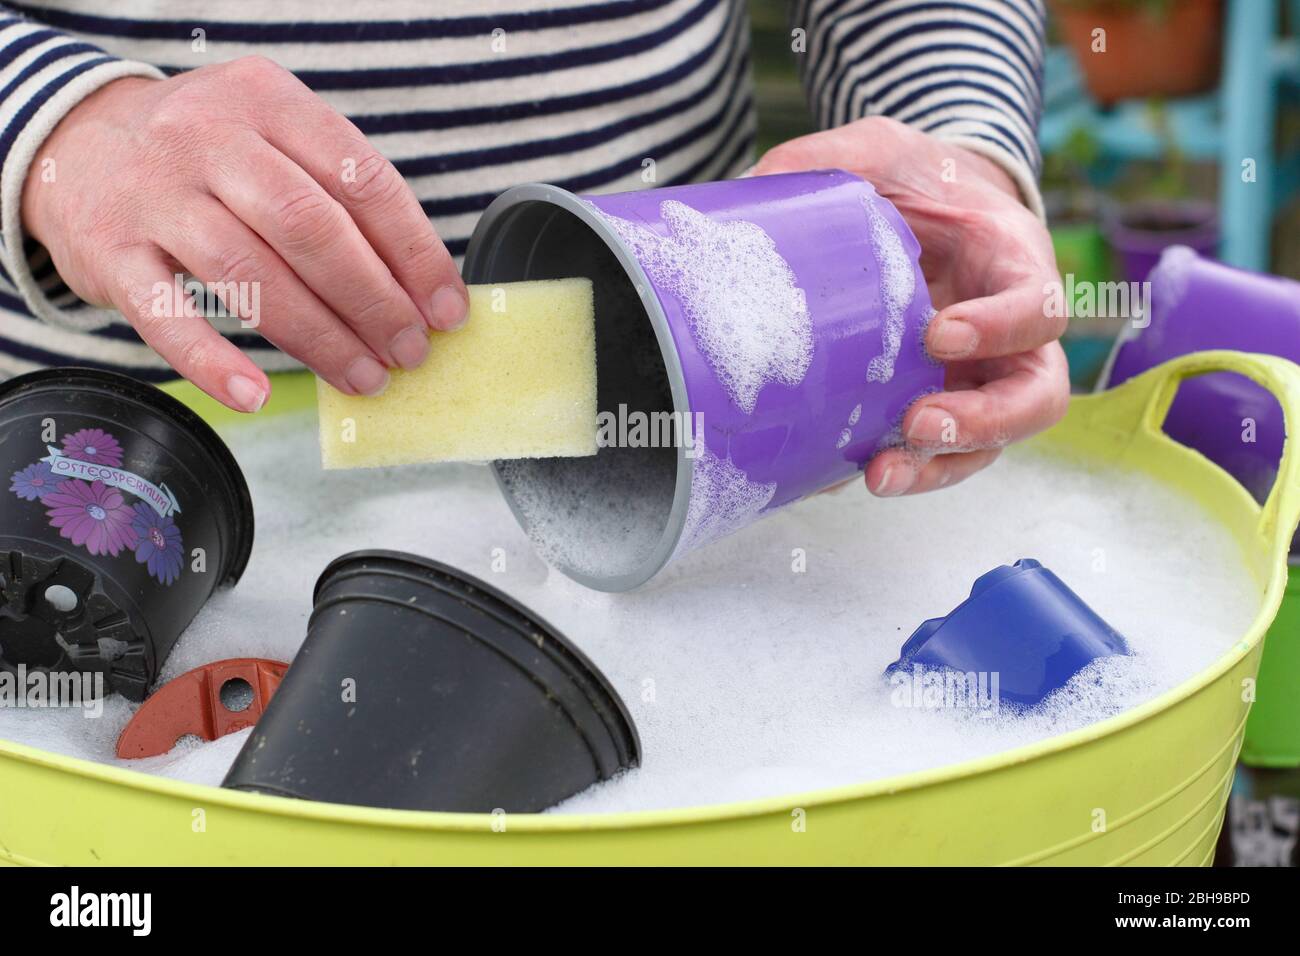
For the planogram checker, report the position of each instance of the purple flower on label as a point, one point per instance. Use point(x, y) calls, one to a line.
point(92, 514)
point(93, 445)
point(158, 543)
point(34, 481)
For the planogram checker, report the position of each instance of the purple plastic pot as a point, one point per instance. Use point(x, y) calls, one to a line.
point(1198, 304)
point(764, 333)
point(1140, 232)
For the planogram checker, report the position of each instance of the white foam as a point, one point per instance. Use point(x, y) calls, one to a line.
point(897, 288)
point(723, 500)
point(575, 522)
point(752, 667)
point(745, 310)
point(846, 433)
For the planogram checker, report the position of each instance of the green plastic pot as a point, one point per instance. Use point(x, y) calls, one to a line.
point(1273, 730)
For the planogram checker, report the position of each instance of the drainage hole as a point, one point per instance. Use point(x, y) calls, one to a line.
point(62, 598)
point(236, 695)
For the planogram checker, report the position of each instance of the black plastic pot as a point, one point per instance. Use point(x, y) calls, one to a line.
point(122, 513)
point(422, 688)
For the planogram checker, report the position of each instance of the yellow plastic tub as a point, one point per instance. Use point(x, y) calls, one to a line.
point(1145, 787)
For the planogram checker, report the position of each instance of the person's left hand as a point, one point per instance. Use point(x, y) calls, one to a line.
point(988, 262)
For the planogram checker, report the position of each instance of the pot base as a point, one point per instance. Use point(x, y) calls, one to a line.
point(60, 620)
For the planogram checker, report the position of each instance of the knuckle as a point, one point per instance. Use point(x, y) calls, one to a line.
point(174, 119)
point(375, 181)
point(884, 124)
point(993, 430)
point(793, 154)
point(1057, 325)
point(196, 354)
point(1060, 400)
point(306, 217)
point(372, 313)
point(236, 263)
point(425, 254)
point(257, 70)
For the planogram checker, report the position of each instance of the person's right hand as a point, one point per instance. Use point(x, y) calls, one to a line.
point(238, 173)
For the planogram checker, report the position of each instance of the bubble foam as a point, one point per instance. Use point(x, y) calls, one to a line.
point(575, 522)
point(897, 289)
point(723, 500)
point(742, 303)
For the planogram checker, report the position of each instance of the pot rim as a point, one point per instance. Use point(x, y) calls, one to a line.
point(479, 257)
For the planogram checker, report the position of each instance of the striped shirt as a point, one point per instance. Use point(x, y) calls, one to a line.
point(469, 97)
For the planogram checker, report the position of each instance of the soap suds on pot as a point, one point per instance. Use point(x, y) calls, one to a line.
point(745, 310)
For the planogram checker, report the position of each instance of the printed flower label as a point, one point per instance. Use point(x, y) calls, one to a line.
point(160, 496)
point(81, 487)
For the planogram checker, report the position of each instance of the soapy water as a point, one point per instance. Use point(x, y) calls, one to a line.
point(897, 288)
point(742, 303)
point(723, 500)
point(753, 667)
point(572, 520)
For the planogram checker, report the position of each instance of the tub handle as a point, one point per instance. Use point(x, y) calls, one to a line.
point(1281, 378)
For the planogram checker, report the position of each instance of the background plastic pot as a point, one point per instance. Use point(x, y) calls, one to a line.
point(1273, 730)
point(420, 687)
point(776, 320)
point(1198, 304)
point(1170, 49)
point(123, 512)
point(1140, 232)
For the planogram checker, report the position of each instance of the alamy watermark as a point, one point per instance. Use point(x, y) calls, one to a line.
point(21, 689)
point(638, 429)
point(930, 689)
point(75, 908)
point(1098, 300)
point(188, 297)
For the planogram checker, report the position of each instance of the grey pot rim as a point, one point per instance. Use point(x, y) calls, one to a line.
point(475, 255)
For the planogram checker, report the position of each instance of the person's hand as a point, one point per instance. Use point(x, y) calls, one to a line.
point(988, 261)
point(237, 173)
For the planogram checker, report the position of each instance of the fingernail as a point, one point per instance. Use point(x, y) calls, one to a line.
point(450, 310)
point(366, 376)
point(749, 172)
point(246, 393)
point(895, 480)
point(410, 347)
point(932, 425)
point(952, 338)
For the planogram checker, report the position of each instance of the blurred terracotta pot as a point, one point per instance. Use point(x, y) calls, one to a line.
point(1151, 49)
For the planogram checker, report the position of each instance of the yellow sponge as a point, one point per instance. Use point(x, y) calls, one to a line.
point(518, 380)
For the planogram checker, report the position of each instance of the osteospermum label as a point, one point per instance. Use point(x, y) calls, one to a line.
point(160, 497)
point(83, 487)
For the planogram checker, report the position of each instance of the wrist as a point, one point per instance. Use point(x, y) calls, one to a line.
point(993, 173)
point(41, 197)
point(1006, 174)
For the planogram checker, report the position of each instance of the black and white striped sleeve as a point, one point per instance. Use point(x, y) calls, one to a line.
point(967, 71)
point(43, 74)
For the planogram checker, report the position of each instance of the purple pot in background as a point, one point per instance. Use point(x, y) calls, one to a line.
point(1140, 232)
point(1198, 304)
point(765, 334)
